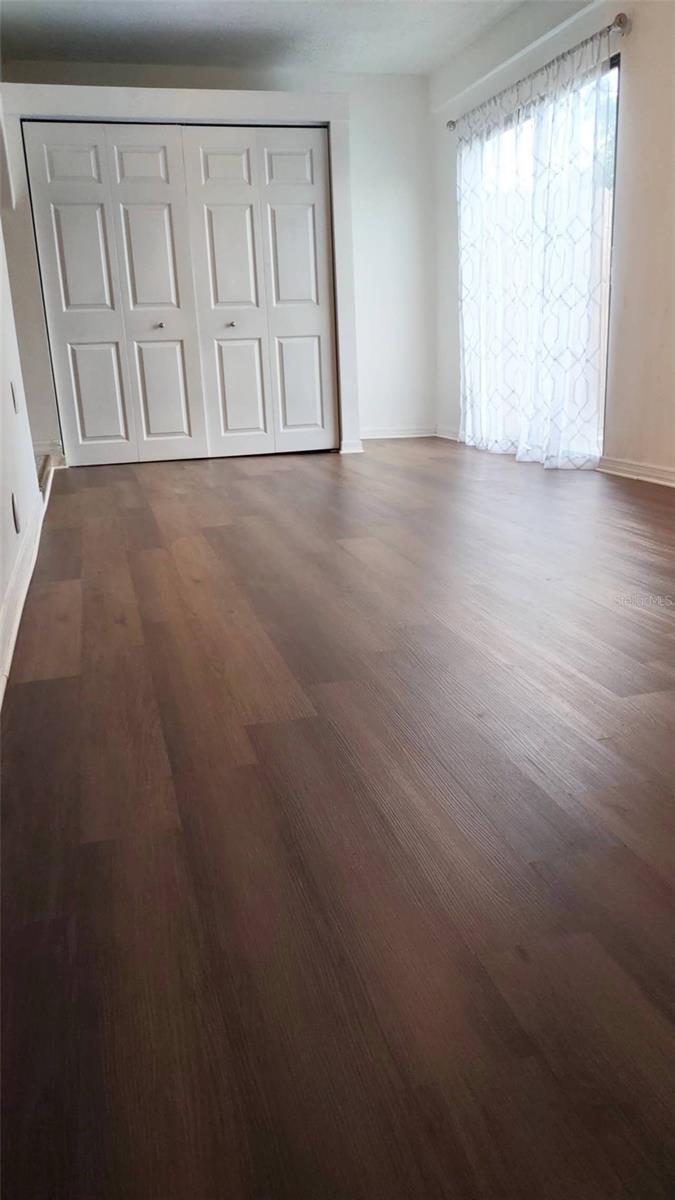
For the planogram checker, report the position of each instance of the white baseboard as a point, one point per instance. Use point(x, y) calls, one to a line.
point(14, 598)
point(54, 449)
point(648, 472)
point(351, 447)
point(397, 433)
point(450, 435)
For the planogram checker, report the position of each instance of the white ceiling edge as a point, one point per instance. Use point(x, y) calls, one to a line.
point(346, 36)
point(504, 42)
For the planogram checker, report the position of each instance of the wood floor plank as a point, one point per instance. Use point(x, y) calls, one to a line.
point(337, 834)
point(449, 745)
point(258, 868)
point(489, 889)
point(435, 997)
point(40, 763)
point(208, 588)
point(157, 585)
point(103, 546)
point(70, 504)
point(610, 1049)
point(40, 1146)
point(49, 645)
point(320, 628)
point(126, 785)
point(111, 621)
point(647, 827)
point(146, 999)
point(140, 529)
point(549, 1148)
point(200, 727)
point(629, 909)
point(60, 555)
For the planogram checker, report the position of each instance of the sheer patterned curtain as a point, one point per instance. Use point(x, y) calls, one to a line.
point(535, 185)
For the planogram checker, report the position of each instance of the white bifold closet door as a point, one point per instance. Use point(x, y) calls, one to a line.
point(261, 242)
point(187, 281)
point(226, 236)
point(149, 208)
point(109, 205)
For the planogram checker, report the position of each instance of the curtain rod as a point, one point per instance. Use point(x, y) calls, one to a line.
point(620, 24)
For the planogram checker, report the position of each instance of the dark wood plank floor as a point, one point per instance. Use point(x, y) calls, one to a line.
point(339, 834)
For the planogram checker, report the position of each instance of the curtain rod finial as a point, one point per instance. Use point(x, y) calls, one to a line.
point(621, 22)
point(451, 125)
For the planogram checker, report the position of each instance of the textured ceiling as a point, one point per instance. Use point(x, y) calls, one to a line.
point(407, 36)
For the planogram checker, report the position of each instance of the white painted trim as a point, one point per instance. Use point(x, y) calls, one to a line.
point(53, 449)
point(200, 106)
point(648, 472)
point(353, 447)
point(196, 106)
point(398, 433)
point(450, 435)
point(17, 588)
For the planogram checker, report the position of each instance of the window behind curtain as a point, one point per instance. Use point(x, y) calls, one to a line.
point(536, 177)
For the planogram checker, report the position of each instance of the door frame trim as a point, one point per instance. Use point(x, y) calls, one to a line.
point(167, 106)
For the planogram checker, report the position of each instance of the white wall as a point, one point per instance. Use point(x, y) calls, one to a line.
point(393, 257)
point(640, 416)
point(640, 411)
point(18, 479)
point(392, 224)
point(505, 39)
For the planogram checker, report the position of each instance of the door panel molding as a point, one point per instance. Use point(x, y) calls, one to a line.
point(241, 390)
point(74, 164)
point(231, 264)
point(226, 166)
point(292, 235)
point(162, 388)
point(289, 166)
point(96, 401)
point(142, 223)
point(299, 383)
point(70, 232)
point(141, 164)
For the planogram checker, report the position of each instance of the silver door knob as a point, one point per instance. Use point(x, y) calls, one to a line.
point(159, 325)
point(231, 324)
